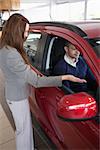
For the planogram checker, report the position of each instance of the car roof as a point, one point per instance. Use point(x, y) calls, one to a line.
point(91, 28)
point(69, 26)
point(84, 29)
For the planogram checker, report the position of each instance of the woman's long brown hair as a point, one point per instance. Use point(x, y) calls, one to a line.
point(13, 34)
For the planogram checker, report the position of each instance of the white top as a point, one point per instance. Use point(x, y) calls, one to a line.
point(70, 61)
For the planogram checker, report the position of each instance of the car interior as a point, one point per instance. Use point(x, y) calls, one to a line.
point(55, 53)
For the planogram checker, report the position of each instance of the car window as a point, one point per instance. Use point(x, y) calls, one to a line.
point(31, 45)
point(55, 55)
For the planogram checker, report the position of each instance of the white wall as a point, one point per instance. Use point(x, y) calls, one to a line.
point(59, 12)
point(64, 12)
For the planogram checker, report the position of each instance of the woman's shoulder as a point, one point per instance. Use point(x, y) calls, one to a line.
point(12, 52)
point(11, 49)
point(8, 50)
point(12, 55)
point(14, 58)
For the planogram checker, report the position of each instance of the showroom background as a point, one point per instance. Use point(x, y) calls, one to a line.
point(54, 10)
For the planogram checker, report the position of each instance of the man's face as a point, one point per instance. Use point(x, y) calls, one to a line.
point(72, 51)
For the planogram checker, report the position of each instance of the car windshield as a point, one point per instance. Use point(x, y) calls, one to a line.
point(95, 43)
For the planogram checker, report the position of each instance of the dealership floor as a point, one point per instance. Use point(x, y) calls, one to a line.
point(7, 136)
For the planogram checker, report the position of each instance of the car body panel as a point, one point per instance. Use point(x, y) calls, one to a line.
point(92, 29)
point(64, 134)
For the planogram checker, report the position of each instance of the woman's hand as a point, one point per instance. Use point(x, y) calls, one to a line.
point(73, 79)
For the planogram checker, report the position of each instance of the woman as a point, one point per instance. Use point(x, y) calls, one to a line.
point(18, 75)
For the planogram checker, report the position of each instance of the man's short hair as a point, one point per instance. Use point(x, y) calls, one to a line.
point(67, 43)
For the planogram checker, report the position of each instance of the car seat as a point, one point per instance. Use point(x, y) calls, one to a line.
point(57, 52)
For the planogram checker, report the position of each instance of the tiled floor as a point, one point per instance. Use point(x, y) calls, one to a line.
point(7, 137)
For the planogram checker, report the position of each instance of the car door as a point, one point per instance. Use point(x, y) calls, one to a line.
point(63, 134)
point(85, 133)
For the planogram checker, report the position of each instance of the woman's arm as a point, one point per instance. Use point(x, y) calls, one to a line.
point(73, 79)
point(17, 66)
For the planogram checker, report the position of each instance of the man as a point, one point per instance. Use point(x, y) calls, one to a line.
point(74, 64)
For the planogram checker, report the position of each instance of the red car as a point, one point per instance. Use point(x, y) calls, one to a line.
point(65, 119)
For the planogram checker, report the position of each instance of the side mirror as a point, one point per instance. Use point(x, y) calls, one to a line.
point(78, 106)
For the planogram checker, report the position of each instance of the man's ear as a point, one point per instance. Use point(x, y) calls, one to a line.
point(66, 48)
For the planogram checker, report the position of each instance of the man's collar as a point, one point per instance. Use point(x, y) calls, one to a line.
point(70, 61)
